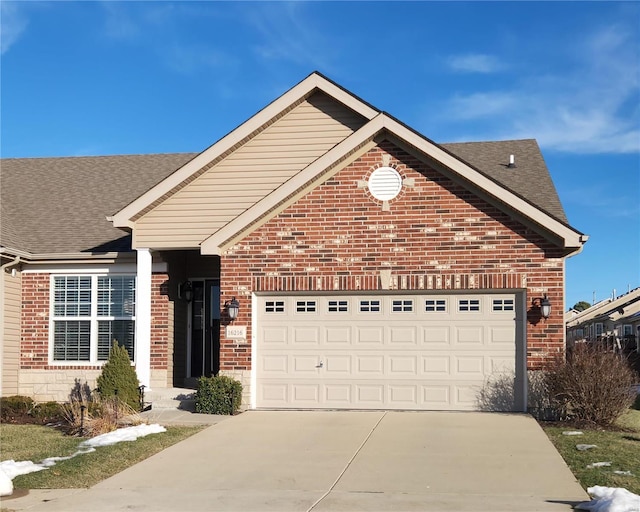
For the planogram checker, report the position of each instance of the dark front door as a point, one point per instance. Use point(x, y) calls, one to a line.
point(205, 328)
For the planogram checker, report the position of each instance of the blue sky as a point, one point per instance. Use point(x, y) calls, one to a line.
point(101, 78)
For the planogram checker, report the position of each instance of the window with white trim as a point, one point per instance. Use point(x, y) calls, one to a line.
point(503, 304)
point(627, 330)
point(370, 306)
point(599, 329)
point(306, 306)
point(274, 306)
point(435, 305)
point(466, 305)
point(338, 306)
point(402, 306)
point(89, 313)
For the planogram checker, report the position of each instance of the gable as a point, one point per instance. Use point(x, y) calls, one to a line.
point(251, 172)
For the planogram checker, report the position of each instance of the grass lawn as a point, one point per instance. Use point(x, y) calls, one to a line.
point(35, 443)
point(621, 449)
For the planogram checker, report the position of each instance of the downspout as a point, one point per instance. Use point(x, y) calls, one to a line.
point(3, 268)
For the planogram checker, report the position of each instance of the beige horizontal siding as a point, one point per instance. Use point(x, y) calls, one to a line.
point(273, 156)
point(11, 334)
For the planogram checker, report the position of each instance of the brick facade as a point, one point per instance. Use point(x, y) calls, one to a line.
point(435, 235)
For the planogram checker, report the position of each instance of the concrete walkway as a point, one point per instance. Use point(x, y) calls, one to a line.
point(340, 460)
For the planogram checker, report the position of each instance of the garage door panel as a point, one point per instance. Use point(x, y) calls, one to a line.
point(305, 335)
point(357, 352)
point(469, 334)
point(370, 366)
point(405, 335)
point(436, 396)
point(275, 364)
point(305, 364)
point(403, 396)
point(436, 337)
point(404, 365)
point(436, 366)
point(338, 335)
point(338, 365)
point(338, 395)
point(305, 394)
point(273, 336)
point(469, 367)
point(502, 334)
point(369, 335)
point(370, 395)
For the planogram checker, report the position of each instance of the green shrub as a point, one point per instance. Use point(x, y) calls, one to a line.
point(47, 412)
point(218, 395)
point(592, 386)
point(16, 406)
point(118, 378)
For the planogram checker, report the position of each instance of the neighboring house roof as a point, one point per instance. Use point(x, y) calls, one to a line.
point(60, 205)
point(612, 309)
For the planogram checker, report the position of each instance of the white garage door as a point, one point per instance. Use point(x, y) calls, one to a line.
point(429, 352)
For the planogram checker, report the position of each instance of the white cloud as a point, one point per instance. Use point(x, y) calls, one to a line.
point(592, 106)
point(288, 35)
point(475, 63)
point(13, 23)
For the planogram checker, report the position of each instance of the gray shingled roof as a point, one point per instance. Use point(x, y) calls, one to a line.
point(60, 205)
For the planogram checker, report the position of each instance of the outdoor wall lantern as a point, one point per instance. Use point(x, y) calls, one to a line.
point(544, 305)
point(232, 307)
point(186, 291)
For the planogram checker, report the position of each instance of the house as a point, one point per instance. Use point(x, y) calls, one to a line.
point(615, 321)
point(371, 267)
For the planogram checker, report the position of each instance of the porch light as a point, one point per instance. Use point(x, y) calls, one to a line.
point(544, 305)
point(232, 307)
point(186, 291)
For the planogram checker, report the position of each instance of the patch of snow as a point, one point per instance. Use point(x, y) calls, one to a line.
point(572, 433)
point(625, 473)
point(610, 499)
point(585, 447)
point(9, 469)
point(599, 465)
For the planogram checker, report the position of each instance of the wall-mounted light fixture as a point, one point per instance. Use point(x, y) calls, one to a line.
point(185, 291)
point(544, 305)
point(232, 307)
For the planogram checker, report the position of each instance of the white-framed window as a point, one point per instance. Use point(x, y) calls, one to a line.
point(338, 306)
point(599, 329)
point(402, 306)
point(627, 330)
point(503, 304)
point(89, 312)
point(369, 306)
point(274, 306)
point(468, 305)
point(435, 305)
point(305, 306)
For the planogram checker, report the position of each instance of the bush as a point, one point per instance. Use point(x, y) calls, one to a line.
point(118, 378)
point(218, 395)
point(593, 385)
point(21, 410)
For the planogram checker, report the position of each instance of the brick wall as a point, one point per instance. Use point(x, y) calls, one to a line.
point(435, 235)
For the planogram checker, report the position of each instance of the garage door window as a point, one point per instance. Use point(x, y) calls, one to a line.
point(402, 306)
point(274, 306)
point(338, 306)
point(435, 305)
point(503, 304)
point(468, 305)
point(370, 306)
point(306, 306)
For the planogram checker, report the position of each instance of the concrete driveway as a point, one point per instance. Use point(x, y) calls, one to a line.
point(344, 460)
